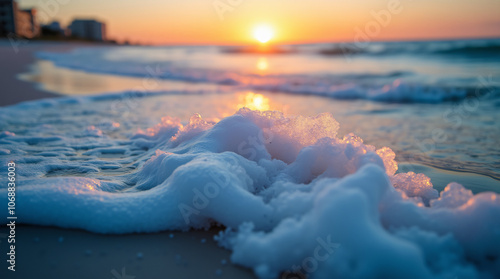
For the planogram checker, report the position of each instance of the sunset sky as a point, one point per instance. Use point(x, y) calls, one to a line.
point(292, 21)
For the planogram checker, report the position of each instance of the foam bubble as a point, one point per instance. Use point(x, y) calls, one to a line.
point(293, 195)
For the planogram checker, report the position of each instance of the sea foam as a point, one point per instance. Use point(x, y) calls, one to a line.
point(293, 195)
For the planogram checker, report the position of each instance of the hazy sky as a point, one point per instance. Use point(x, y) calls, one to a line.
point(293, 21)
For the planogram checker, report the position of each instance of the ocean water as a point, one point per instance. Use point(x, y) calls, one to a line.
point(434, 103)
point(351, 149)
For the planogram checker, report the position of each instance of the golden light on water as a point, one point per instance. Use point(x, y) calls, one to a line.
point(263, 33)
point(262, 64)
point(253, 101)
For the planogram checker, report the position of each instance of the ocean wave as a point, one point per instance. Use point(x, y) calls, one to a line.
point(397, 92)
point(464, 48)
point(382, 87)
point(260, 50)
point(270, 179)
point(483, 50)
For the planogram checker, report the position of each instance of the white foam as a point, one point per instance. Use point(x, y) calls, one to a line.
point(292, 194)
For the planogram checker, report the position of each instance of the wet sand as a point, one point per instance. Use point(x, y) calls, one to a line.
point(59, 253)
point(15, 59)
point(45, 252)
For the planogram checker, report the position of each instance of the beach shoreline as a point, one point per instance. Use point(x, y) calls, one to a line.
point(54, 252)
point(80, 141)
point(68, 253)
point(17, 57)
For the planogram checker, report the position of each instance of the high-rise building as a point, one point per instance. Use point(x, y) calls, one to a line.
point(7, 17)
point(17, 22)
point(55, 28)
point(89, 29)
point(35, 27)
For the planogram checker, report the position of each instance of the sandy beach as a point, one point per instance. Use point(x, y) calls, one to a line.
point(14, 63)
point(147, 147)
point(59, 253)
point(249, 139)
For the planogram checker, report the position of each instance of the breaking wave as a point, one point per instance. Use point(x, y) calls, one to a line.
point(389, 86)
point(293, 195)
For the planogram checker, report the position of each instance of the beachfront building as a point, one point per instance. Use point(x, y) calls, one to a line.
point(53, 28)
point(7, 17)
point(33, 23)
point(14, 21)
point(88, 29)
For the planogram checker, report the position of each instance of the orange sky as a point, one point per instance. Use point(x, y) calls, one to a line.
point(294, 21)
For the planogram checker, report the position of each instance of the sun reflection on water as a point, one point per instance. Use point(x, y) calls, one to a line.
point(262, 64)
point(253, 101)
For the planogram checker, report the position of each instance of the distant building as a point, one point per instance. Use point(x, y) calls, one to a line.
point(35, 27)
point(7, 17)
point(54, 27)
point(88, 29)
point(17, 22)
point(23, 24)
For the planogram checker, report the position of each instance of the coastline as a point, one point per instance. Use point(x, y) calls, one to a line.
point(16, 59)
point(59, 252)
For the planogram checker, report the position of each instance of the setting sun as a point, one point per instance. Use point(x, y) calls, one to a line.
point(263, 33)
